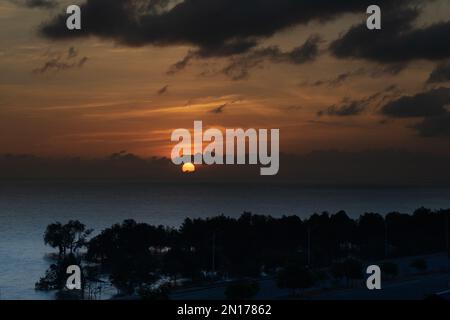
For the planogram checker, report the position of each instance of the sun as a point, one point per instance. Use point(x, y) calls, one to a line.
point(188, 167)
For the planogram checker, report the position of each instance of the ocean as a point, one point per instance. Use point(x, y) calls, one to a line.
point(26, 208)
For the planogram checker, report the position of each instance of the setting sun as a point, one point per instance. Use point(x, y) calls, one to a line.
point(188, 167)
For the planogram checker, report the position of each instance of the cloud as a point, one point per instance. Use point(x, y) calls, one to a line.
point(82, 62)
point(398, 41)
point(239, 67)
point(72, 53)
point(222, 107)
point(438, 126)
point(182, 64)
point(59, 61)
point(352, 108)
point(440, 74)
point(372, 72)
point(356, 107)
point(214, 27)
point(338, 80)
point(219, 109)
point(45, 4)
point(431, 106)
point(424, 104)
point(163, 90)
point(341, 78)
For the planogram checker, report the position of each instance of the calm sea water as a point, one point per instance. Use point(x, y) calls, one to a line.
point(27, 208)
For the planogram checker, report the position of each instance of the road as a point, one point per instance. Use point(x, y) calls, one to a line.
point(416, 288)
point(408, 285)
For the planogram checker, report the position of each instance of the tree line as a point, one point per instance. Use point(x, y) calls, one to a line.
point(135, 255)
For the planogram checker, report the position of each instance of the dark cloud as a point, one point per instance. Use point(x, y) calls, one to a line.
point(82, 62)
point(352, 108)
point(425, 104)
point(46, 4)
point(339, 79)
point(163, 90)
point(224, 50)
point(182, 64)
point(219, 109)
point(356, 107)
point(432, 106)
point(72, 53)
point(438, 126)
point(440, 74)
point(239, 67)
point(59, 61)
point(222, 107)
point(304, 53)
point(215, 27)
point(398, 41)
point(372, 72)
point(391, 69)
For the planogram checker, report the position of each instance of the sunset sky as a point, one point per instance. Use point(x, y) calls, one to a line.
point(143, 68)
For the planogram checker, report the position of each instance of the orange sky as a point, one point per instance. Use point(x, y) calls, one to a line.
point(112, 103)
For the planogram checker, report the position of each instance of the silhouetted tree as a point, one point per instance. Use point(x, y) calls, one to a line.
point(68, 237)
point(135, 254)
point(242, 290)
point(55, 277)
point(419, 264)
point(130, 273)
point(151, 293)
point(181, 262)
point(295, 276)
point(389, 268)
point(371, 235)
point(350, 269)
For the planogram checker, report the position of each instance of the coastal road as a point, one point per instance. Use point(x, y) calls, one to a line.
point(416, 288)
point(407, 286)
point(267, 290)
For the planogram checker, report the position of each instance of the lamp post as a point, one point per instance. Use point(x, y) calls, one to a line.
point(214, 253)
point(309, 245)
point(386, 244)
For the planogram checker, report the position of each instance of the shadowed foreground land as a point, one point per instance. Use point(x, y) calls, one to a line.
point(247, 255)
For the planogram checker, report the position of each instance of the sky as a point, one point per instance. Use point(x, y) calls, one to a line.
point(139, 69)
